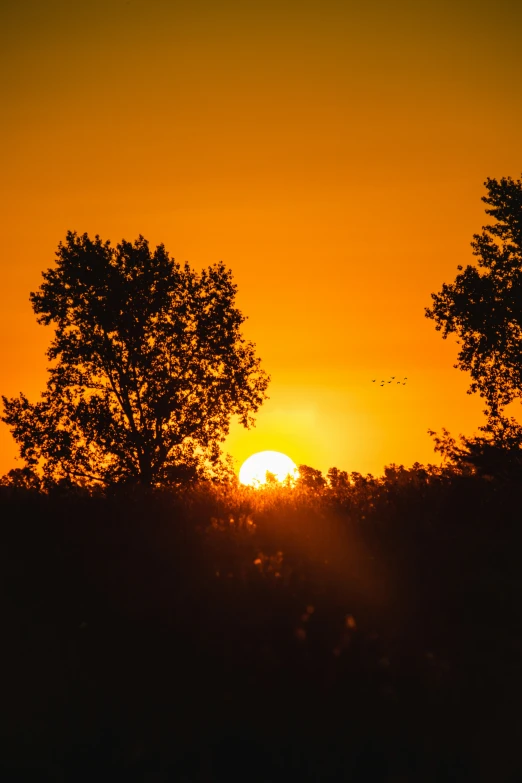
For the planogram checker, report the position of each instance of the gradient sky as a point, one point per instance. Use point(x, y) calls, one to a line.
point(331, 153)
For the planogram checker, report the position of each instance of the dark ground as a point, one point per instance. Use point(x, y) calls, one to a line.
point(148, 638)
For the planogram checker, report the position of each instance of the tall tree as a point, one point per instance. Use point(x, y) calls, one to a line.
point(148, 365)
point(483, 307)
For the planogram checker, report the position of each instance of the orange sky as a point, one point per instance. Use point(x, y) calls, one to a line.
point(331, 154)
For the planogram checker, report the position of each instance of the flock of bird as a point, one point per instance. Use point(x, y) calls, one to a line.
point(382, 383)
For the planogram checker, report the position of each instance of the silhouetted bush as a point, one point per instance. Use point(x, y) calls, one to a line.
point(358, 628)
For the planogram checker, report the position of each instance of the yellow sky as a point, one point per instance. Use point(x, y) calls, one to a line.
point(331, 154)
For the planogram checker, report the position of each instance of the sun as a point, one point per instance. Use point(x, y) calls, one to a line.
point(254, 470)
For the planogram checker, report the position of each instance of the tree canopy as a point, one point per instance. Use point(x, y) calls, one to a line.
point(483, 307)
point(148, 365)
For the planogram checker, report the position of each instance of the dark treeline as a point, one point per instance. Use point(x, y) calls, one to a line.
point(355, 628)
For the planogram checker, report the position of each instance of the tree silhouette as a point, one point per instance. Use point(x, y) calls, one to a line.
point(338, 479)
point(310, 478)
point(483, 307)
point(498, 454)
point(148, 366)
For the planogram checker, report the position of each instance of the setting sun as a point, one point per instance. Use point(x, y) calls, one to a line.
point(254, 470)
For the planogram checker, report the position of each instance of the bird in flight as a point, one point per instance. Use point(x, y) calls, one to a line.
point(393, 377)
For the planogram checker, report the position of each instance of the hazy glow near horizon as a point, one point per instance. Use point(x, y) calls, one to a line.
point(253, 470)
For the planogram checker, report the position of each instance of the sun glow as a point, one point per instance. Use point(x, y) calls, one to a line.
point(255, 469)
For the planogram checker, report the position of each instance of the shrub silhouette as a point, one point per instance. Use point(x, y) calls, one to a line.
point(216, 628)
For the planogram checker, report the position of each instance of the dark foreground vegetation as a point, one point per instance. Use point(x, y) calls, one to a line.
point(366, 631)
